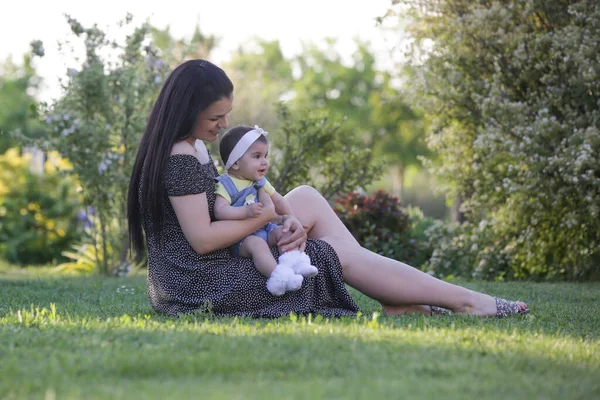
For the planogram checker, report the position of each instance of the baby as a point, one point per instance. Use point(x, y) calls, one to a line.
point(244, 151)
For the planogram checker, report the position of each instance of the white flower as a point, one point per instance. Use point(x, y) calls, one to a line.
point(102, 167)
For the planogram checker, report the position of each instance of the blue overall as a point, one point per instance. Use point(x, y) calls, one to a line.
point(238, 199)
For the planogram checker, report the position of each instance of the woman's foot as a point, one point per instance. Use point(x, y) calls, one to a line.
point(484, 305)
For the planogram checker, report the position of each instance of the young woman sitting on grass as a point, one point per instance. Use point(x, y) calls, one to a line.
point(171, 215)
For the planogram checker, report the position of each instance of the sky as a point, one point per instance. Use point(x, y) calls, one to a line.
point(233, 21)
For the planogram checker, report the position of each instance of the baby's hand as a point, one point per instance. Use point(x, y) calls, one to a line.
point(254, 210)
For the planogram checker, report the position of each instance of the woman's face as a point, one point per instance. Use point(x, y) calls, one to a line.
point(212, 119)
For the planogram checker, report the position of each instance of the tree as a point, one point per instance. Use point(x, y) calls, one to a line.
point(262, 77)
point(400, 135)
point(17, 104)
point(325, 82)
point(175, 51)
point(312, 148)
point(365, 97)
point(513, 92)
point(97, 125)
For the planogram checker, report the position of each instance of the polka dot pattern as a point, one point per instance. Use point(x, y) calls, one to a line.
point(181, 280)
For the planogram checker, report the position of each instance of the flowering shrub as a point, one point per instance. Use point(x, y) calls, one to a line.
point(38, 213)
point(513, 91)
point(98, 122)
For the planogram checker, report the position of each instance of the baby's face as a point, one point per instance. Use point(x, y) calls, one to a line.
point(254, 164)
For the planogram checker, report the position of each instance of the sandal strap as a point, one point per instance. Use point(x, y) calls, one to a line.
point(504, 308)
point(440, 311)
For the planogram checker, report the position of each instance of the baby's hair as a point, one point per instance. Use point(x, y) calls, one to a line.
point(231, 137)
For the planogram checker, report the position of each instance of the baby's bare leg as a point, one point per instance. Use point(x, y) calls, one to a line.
point(257, 249)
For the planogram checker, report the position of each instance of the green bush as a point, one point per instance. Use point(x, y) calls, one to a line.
point(312, 148)
point(513, 92)
point(38, 214)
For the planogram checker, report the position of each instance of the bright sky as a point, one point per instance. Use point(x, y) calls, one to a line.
point(233, 21)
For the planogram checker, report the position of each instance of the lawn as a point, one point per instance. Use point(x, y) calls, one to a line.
point(97, 338)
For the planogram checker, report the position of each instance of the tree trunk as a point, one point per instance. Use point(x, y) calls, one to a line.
point(124, 249)
point(398, 180)
point(455, 214)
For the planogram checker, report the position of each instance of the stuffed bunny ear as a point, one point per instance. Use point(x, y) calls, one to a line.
point(300, 262)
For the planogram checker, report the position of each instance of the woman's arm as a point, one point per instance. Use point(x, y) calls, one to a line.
point(205, 236)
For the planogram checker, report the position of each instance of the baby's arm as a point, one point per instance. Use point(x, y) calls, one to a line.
point(224, 210)
point(282, 207)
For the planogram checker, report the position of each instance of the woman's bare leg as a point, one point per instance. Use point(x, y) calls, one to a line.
point(394, 284)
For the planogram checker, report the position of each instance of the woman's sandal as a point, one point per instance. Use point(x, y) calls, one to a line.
point(504, 308)
point(440, 311)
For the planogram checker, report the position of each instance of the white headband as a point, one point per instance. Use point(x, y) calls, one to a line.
point(244, 144)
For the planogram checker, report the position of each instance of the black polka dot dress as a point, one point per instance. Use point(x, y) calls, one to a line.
point(181, 280)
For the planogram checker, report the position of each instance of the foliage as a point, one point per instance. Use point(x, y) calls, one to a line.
point(363, 214)
point(360, 94)
point(84, 258)
point(325, 82)
point(38, 213)
point(513, 92)
point(311, 148)
point(17, 105)
point(97, 125)
point(175, 51)
point(379, 223)
point(262, 77)
point(367, 98)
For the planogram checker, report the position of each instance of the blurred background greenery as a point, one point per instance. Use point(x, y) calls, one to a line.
point(476, 156)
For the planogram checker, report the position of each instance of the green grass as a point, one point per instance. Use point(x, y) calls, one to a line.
point(91, 337)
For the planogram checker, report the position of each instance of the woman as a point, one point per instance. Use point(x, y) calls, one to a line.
point(171, 200)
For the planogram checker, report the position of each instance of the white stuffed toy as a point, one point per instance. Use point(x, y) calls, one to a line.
point(293, 267)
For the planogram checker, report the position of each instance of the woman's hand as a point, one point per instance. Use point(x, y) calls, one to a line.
point(296, 238)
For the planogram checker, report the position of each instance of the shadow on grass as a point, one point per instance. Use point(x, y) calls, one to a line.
point(219, 359)
point(563, 309)
point(106, 342)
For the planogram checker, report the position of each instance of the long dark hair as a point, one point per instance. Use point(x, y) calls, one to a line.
point(190, 88)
